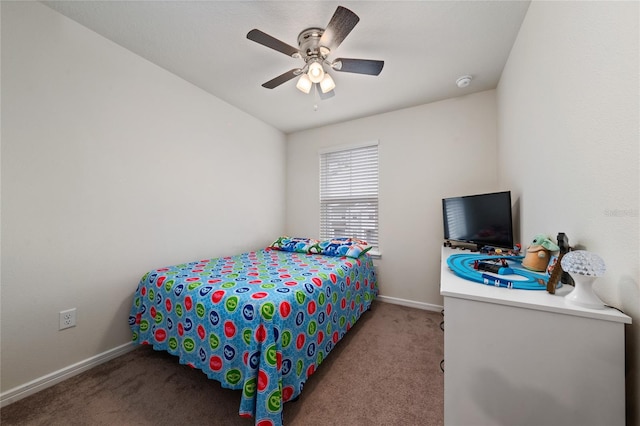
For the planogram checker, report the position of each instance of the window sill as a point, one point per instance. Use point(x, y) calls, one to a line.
point(375, 254)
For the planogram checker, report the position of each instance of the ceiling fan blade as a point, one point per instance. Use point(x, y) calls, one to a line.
point(271, 42)
point(359, 66)
point(282, 78)
point(339, 27)
point(324, 96)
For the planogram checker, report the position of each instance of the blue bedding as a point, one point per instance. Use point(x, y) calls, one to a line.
point(260, 321)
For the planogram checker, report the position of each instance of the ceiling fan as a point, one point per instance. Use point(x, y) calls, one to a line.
point(314, 46)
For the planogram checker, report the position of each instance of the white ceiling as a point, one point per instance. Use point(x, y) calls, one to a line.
point(426, 46)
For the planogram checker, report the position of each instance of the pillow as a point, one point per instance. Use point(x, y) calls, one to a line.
point(339, 247)
point(294, 244)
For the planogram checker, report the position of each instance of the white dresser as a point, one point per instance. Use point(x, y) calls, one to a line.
point(521, 357)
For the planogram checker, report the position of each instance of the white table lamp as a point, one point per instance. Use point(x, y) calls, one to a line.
point(584, 268)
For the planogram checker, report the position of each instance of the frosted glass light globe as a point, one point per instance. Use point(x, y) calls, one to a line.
point(304, 84)
point(327, 84)
point(316, 73)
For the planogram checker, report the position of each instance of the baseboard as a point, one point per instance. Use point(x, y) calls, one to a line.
point(22, 391)
point(410, 303)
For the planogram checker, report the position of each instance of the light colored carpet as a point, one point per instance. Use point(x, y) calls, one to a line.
point(386, 371)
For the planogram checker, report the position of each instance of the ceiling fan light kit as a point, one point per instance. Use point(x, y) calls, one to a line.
point(314, 46)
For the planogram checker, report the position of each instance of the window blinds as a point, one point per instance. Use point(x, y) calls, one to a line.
point(456, 219)
point(349, 193)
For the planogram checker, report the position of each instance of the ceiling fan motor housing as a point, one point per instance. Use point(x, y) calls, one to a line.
point(309, 44)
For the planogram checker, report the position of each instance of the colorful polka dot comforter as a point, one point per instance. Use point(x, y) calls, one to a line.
point(261, 321)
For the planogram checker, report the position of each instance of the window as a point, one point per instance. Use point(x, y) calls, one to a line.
point(349, 193)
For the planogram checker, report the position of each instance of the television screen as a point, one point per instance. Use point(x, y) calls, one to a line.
point(483, 219)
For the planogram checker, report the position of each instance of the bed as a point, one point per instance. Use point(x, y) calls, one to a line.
point(261, 322)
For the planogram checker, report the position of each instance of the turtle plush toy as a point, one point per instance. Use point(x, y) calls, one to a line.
point(539, 253)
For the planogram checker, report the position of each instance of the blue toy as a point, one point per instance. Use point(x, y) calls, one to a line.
point(463, 266)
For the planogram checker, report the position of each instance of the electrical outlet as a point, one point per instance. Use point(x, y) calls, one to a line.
point(67, 319)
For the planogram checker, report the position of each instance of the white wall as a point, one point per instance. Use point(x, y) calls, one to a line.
point(426, 153)
point(568, 142)
point(112, 166)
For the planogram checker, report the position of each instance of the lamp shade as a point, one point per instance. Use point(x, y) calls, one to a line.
point(316, 73)
point(304, 84)
point(327, 84)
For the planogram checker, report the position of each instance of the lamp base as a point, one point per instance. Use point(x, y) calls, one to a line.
point(583, 295)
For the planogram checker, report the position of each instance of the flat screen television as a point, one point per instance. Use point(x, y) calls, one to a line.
point(482, 219)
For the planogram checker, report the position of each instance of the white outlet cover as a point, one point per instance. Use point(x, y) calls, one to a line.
point(67, 319)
